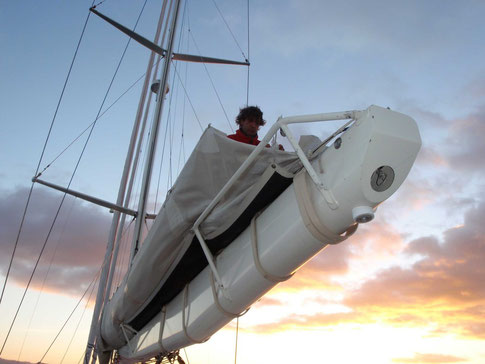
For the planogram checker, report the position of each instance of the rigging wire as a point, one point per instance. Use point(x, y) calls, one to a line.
point(212, 82)
point(46, 275)
point(171, 118)
point(182, 139)
point(93, 286)
point(87, 128)
point(154, 77)
point(237, 332)
point(170, 127)
point(230, 31)
point(70, 315)
point(188, 98)
point(124, 244)
point(160, 169)
point(186, 356)
point(42, 156)
point(64, 196)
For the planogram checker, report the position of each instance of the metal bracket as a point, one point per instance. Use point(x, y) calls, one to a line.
point(281, 124)
point(123, 327)
point(210, 260)
point(327, 194)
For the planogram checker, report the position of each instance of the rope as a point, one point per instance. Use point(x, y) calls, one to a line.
point(42, 156)
point(237, 332)
point(230, 31)
point(124, 245)
point(99, 117)
point(212, 83)
point(87, 128)
point(69, 184)
point(160, 169)
point(162, 95)
point(45, 277)
point(188, 98)
point(182, 139)
point(69, 317)
point(186, 356)
point(82, 315)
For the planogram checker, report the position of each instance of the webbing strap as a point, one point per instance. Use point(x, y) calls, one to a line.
point(310, 217)
point(254, 243)
point(162, 327)
point(218, 304)
point(184, 324)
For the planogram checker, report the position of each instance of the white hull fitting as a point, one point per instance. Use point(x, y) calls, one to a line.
point(359, 171)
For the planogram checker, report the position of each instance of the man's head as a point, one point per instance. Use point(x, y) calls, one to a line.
point(250, 119)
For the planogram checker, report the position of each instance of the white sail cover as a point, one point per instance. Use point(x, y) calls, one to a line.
point(212, 163)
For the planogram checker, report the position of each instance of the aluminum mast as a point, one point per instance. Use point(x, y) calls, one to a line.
point(94, 330)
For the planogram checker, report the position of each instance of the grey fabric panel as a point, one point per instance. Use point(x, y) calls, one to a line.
point(214, 160)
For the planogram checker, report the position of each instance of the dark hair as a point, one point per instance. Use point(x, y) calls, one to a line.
point(250, 113)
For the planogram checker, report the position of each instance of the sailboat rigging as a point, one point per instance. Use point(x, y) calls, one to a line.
point(238, 220)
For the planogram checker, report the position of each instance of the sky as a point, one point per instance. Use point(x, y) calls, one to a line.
point(405, 288)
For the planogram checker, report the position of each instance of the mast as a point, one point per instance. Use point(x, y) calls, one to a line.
point(102, 293)
point(134, 166)
point(154, 135)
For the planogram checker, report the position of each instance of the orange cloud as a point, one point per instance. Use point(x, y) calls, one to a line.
point(444, 289)
point(442, 292)
point(296, 322)
point(420, 358)
point(466, 145)
point(429, 156)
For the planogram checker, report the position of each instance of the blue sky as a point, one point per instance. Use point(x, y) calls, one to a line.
point(422, 58)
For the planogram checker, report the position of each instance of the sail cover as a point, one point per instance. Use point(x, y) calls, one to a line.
point(212, 163)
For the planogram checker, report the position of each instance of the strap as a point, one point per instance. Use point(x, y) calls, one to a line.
point(184, 324)
point(310, 217)
point(218, 304)
point(254, 243)
point(162, 327)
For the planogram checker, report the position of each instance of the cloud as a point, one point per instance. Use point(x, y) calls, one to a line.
point(295, 322)
point(476, 88)
point(76, 245)
point(354, 26)
point(465, 145)
point(430, 156)
point(442, 291)
point(420, 358)
point(444, 288)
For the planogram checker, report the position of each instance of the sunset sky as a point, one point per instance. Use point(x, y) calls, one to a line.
point(407, 288)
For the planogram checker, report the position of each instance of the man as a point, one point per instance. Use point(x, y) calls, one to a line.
point(249, 119)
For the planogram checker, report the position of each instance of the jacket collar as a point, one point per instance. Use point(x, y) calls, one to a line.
point(241, 134)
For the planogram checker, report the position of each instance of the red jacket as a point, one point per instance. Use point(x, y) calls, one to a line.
point(243, 138)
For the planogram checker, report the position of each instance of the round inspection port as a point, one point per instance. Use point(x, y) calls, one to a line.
point(382, 178)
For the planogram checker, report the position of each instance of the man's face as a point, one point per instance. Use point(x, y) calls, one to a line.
point(250, 127)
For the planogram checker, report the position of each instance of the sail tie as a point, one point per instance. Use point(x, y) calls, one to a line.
point(257, 262)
